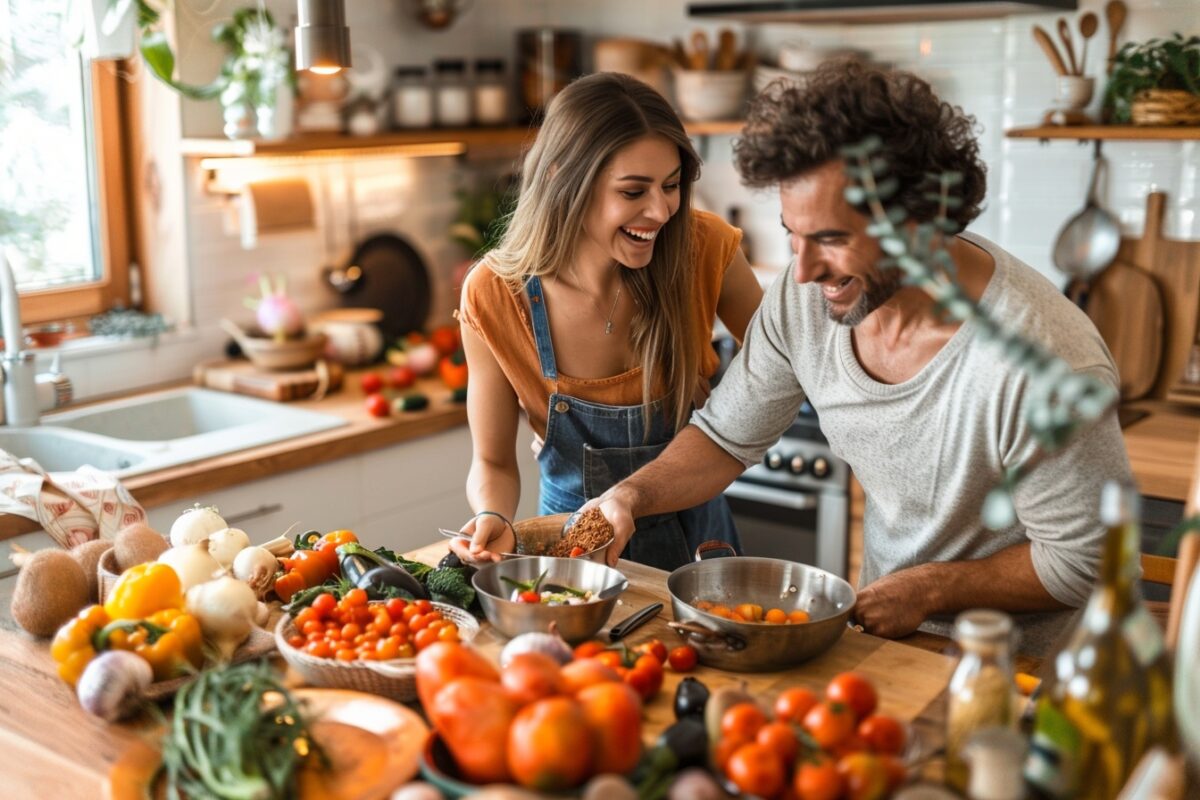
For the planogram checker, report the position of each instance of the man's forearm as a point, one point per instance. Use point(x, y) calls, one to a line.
point(1005, 580)
point(692, 470)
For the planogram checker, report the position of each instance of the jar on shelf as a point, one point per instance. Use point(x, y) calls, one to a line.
point(412, 98)
point(491, 92)
point(981, 691)
point(452, 104)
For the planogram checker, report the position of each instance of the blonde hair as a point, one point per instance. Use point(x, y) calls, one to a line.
point(585, 125)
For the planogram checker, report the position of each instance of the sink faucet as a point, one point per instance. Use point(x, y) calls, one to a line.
point(26, 392)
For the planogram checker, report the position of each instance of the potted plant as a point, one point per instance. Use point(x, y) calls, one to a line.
point(257, 74)
point(1156, 82)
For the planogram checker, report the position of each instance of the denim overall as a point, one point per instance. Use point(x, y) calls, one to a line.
point(590, 447)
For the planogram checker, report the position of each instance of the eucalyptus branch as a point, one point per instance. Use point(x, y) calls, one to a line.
point(1061, 404)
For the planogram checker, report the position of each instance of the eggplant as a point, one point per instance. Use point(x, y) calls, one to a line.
point(452, 560)
point(688, 740)
point(364, 568)
point(691, 696)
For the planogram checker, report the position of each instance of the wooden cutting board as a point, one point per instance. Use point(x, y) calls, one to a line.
point(243, 377)
point(1126, 305)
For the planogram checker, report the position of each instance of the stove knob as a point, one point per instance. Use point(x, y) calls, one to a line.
point(773, 460)
point(820, 467)
point(797, 464)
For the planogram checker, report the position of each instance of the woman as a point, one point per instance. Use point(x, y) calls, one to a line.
point(595, 315)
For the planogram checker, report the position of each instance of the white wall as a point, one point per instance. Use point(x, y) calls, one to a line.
point(991, 68)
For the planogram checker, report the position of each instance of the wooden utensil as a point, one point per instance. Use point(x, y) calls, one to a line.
point(680, 54)
point(1064, 34)
point(1089, 23)
point(1115, 12)
point(699, 50)
point(1047, 44)
point(727, 55)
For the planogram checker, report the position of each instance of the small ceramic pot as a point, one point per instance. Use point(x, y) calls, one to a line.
point(353, 335)
point(1073, 92)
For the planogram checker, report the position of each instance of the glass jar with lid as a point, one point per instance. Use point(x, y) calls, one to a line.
point(981, 691)
point(491, 92)
point(452, 104)
point(412, 98)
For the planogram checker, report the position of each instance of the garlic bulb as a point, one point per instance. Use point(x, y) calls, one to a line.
point(256, 567)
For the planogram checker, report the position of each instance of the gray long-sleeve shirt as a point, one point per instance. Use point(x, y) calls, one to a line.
point(928, 450)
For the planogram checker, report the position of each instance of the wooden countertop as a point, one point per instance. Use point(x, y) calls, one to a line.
point(49, 747)
point(1162, 448)
point(362, 433)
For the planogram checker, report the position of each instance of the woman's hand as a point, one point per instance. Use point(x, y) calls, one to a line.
point(490, 536)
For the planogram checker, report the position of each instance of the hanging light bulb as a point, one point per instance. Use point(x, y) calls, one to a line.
point(322, 38)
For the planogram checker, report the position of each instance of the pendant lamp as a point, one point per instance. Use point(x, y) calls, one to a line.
point(322, 38)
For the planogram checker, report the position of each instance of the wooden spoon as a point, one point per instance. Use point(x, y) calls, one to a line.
point(1047, 45)
point(1089, 23)
point(1064, 34)
point(1114, 12)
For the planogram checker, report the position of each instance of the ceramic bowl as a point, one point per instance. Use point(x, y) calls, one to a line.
point(289, 354)
point(704, 95)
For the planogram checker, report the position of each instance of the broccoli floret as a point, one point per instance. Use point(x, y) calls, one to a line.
point(450, 585)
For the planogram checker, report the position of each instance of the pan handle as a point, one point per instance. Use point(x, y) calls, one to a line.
point(714, 549)
point(707, 634)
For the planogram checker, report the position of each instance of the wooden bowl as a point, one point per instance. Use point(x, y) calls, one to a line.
point(289, 354)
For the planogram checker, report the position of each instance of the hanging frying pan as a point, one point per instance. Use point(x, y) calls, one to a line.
point(388, 274)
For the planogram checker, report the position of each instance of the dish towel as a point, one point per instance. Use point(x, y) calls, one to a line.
point(73, 507)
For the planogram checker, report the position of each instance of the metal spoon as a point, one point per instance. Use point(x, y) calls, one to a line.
point(1089, 241)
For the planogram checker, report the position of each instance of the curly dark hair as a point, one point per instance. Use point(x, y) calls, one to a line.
point(793, 129)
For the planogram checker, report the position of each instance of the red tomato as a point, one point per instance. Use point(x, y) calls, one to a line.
point(756, 770)
point(817, 778)
point(863, 775)
point(854, 691)
point(401, 377)
point(780, 737)
point(371, 383)
point(829, 723)
point(883, 734)
point(742, 721)
point(395, 607)
point(682, 658)
point(646, 676)
point(653, 647)
point(377, 405)
point(324, 604)
point(589, 649)
point(794, 703)
point(445, 339)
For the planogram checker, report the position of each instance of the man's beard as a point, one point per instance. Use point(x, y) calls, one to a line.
point(876, 294)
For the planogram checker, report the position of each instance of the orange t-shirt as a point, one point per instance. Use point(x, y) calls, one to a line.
point(500, 317)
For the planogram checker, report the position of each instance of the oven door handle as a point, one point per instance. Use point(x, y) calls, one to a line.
point(797, 500)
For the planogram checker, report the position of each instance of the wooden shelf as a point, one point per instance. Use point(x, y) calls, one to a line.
point(468, 138)
point(1143, 133)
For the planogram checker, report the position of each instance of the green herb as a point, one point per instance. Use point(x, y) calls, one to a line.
point(229, 740)
point(451, 585)
point(1172, 63)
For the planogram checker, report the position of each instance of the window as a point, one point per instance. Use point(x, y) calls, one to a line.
point(64, 219)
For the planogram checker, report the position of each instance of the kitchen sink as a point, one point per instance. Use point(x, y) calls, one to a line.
point(165, 429)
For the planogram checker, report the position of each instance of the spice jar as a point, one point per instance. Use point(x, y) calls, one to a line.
point(981, 688)
point(491, 93)
point(453, 100)
point(412, 99)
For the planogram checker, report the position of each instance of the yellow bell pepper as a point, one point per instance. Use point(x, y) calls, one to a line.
point(169, 640)
point(143, 590)
point(73, 646)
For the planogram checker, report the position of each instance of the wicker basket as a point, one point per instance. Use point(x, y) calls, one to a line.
point(107, 573)
point(1165, 107)
point(396, 679)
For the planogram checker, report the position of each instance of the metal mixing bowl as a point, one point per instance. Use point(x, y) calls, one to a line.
point(575, 623)
point(770, 583)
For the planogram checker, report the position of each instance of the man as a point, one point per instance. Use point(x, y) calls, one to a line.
point(927, 414)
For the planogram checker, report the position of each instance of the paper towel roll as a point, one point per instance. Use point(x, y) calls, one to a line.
point(270, 206)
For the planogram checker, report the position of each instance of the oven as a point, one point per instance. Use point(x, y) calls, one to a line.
point(795, 504)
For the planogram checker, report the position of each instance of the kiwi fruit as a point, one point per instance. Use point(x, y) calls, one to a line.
point(51, 588)
point(138, 543)
point(87, 555)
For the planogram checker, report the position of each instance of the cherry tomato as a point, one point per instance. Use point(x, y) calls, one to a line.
point(371, 383)
point(401, 377)
point(395, 607)
point(324, 604)
point(296, 640)
point(742, 721)
point(305, 616)
point(756, 770)
point(424, 638)
point(817, 778)
point(377, 405)
point(863, 775)
point(529, 597)
point(854, 691)
point(883, 734)
point(424, 606)
point(829, 723)
point(609, 658)
point(589, 649)
point(653, 647)
point(683, 658)
point(319, 649)
point(646, 676)
point(780, 738)
point(355, 598)
point(792, 704)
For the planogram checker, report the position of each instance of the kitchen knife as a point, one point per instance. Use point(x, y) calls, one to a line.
point(632, 623)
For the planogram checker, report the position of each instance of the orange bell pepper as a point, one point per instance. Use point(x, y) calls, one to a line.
point(453, 370)
point(73, 646)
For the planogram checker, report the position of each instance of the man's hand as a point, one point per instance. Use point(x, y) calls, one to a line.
point(616, 507)
point(490, 536)
point(896, 604)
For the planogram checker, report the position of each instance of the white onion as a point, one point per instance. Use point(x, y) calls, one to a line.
point(256, 567)
point(548, 644)
point(226, 543)
point(225, 608)
point(195, 524)
point(192, 563)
